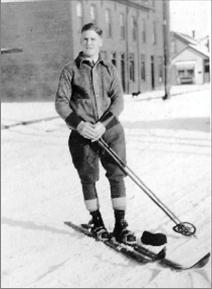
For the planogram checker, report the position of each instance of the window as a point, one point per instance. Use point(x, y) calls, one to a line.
point(160, 69)
point(132, 67)
point(79, 9)
point(181, 72)
point(134, 28)
point(154, 33)
point(206, 66)
point(190, 72)
point(79, 15)
point(123, 62)
point(143, 67)
point(114, 58)
point(108, 21)
point(93, 13)
point(122, 26)
point(143, 27)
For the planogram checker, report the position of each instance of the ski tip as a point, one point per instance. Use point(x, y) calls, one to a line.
point(202, 262)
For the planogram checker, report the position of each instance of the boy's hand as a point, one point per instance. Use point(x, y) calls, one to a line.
point(99, 129)
point(87, 130)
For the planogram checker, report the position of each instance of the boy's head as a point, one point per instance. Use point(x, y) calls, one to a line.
point(91, 39)
point(92, 26)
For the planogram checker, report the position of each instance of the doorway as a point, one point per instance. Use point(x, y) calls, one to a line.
point(152, 72)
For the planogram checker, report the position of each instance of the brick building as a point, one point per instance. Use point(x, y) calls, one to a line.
point(48, 34)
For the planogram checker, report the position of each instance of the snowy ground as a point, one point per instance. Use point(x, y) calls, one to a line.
point(168, 146)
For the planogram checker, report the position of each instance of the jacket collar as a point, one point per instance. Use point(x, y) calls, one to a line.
point(80, 58)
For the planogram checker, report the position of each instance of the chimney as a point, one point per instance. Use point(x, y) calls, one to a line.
point(193, 34)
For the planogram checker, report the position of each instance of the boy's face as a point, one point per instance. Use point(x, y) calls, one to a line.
point(91, 43)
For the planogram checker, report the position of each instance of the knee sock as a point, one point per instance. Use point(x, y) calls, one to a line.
point(90, 196)
point(119, 203)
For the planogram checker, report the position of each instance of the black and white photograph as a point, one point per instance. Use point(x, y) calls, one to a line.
point(105, 144)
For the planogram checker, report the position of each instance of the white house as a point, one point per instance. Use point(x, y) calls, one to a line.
point(191, 66)
point(189, 61)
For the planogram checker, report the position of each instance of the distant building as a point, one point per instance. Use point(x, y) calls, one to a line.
point(135, 38)
point(189, 59)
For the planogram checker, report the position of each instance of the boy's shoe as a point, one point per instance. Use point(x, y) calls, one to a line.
point(122, 234)
point(97, 227)
point(100, 233)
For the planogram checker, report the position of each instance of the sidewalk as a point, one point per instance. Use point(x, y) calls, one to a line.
point(174, 91)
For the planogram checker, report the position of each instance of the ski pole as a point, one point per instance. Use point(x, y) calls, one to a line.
point(184, 228)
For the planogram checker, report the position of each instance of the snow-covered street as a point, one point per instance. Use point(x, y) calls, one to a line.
point(168, 146)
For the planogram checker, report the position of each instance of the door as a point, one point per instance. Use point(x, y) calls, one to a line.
point(152, 72)
point(123, 72)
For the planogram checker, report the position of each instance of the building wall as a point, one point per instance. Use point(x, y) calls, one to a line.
point(49, 34)
point(43, 31)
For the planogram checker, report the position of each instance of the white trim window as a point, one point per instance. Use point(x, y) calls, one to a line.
point(108, 20)
point(143, 33)
point(93, 13)
point(122, 26)
point(79, 15)
point(134, 28)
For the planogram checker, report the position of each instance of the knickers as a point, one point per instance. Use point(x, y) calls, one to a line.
point(86, 156)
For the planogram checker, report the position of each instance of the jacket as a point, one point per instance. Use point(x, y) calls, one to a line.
point(89, 93)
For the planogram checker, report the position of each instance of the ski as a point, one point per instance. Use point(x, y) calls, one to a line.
point(124, 249)
point(169, 263)
point(143, 255)
point(141, 249)
point(178, 267)
point(165, 262)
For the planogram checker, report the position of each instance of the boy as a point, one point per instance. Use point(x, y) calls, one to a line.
point(89, 98)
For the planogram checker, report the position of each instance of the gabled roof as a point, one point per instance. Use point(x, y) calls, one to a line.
point(195, 48)
point(200, 50)
point(185, 38)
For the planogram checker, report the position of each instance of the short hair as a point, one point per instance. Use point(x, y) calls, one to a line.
point(92, 26)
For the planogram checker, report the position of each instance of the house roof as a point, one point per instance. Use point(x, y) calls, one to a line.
point(199, 50)
point(185, 38)
point(195, 49)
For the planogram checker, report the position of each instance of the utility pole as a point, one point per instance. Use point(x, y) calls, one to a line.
point(166, 50)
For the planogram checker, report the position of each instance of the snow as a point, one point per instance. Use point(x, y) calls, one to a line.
point(168, 147)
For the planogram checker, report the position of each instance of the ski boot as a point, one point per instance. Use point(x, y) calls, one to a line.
point(98, 228)
point(120, 232)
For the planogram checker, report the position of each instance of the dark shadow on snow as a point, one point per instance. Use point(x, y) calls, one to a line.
point(32, 226)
